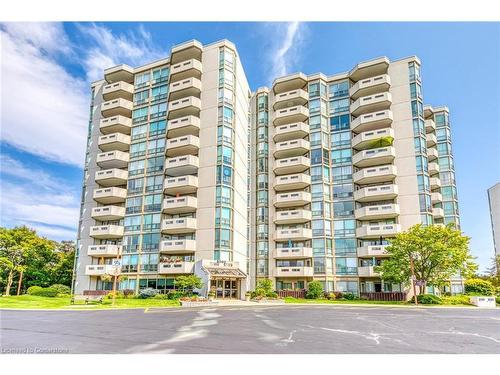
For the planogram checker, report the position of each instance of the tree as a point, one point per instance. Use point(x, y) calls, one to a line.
point(314, 290)
point(438, 253)
point(14, 251)
point(188, 282)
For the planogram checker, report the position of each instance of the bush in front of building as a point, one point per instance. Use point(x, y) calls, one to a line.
point(427, 299)
point(264, 289)
point(33, 290)
point(128, 292)
point(350, 296)
point(479, 287)
point(458, 299)
point(61, 289)
point(175, 294)
point(147, 293)
point(42, 292)
point(314, 290)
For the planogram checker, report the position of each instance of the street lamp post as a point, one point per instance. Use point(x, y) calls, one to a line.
point(413, 278)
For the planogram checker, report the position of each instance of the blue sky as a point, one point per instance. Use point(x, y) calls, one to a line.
point(47, 68)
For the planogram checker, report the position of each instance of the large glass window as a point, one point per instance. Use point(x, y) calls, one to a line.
point(339, 89)
point(339, 122)
point(339, 105)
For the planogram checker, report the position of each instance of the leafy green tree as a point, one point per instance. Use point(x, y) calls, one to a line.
point(314, 290)
point(479, 286)
point(438, 253)
point(188, 282)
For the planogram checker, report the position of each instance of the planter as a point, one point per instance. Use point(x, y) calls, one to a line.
point(483, 301)
point(247, 298)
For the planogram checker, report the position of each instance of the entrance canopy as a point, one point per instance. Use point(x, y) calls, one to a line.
point(225, 272)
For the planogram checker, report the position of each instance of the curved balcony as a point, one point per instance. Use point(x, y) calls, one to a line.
point(104, 251)
point(185, 51)
point(110, 195)
point(175, 268)
point(290, 99)
point(185, 145)
point(293, 252)
point(190, 106)
point(287, 149)
point(377, 212)
point(101, 269)
point(433, 168)
point(185, 69)
point(179, 225)
point(117, 107)
point(289, 83)
point(432, 154)
point(183, 126)
point(292, 199)
point(369, 69)
point(372, 121)
point(181, 165)
point(290, 131)
point(373, 138)
point(292, 182)
point(435, 183)
point(113, 159)
point(294, 234)
point(430, 139)
point(289, 115)
point(115, 124)
point(180, 185)
point(296, 164)
point(430, 126)
point(104, 232)
point(186, 87)
point(178, 246)
point(293, 272)
point(119, 73)
point(297, 216)
point(371, 251)
point(114, 141)
point(438, 212)
point(375, 175)
point(108, 213)
point(371, 103)
point(367, 271)
point(179, 205)
point(111, 177)
point(370, 86)
point(378, 230)
point(117, 90)
point(376, 193)
point(374, 156)
point(436, 197)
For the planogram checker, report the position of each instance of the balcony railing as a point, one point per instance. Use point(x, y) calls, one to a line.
point(114, 141)
point(292, 182)
point(371, 103)
point(292, 199)
point(372, 121)
point(180, 185)
point(295, 147)
point(376, 193)
point(183, 126)
point(110, 195)
point(290, 131)
point(296, 164)
point(370, 86)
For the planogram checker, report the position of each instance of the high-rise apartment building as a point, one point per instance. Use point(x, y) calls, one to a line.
point(189, 172)
point(494, 203)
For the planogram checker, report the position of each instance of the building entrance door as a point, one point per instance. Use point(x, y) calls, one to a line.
point(225, 288)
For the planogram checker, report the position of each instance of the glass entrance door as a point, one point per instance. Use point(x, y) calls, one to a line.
point(225, 289)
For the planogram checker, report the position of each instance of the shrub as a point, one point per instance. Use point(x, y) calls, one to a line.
point(175, 294)
point(330, 296)
point(349, 296)
point(117, 295)
point(160, 296)
point(479, 287)
point(272, 295)
point(147, 293)
point(127, 293)
point(266, 285)
point(314, 290)
point(259, 292)
point(33, 290)
point(338, 295)
point(497, 299)
point(45, 292)
point(427, 299)
point(63, 295)
point(459, 299)
point(61, 289)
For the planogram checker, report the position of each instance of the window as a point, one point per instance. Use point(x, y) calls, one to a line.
point(139, 115)
point(343, 191)
point(150, 241)
point(137, 149)
point(149, 263)
point(223, 216)
point(134, 186)
point(346, 266)
point(156, 146)
point(154, 183)
point(262, 102)
point(339, 89)
point(224, 155)
point(132, 223)
point(415, 90)
point(133, 205)
point(157, 128)
point(339, 105)
point(341, 139)
point(141, 97)
point(224, 134)
point(223, 195)
point(342, 173)
point(342, 156)
point(339, 122)
point(319, 265)
point(344, 228)
point(341, 209)
point(223, 238)
point(152, 202)
point(129, 263)
point(139, 132)
point(141, 80)
point(155, 164)
point(158, 110)
point(159, 93)
point(160, 75)
point(314, 105)
point(136, 167)
point(224, 175)
point(152, 221)
point(131, 243)
point(226, 114)
point(345, 246)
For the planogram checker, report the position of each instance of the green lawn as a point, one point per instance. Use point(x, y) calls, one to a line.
point(339, 302)
point(35, 302)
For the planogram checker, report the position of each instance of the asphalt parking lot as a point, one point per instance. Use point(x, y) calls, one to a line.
point(266, 329)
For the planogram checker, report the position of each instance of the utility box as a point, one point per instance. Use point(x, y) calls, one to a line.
point(481, 301)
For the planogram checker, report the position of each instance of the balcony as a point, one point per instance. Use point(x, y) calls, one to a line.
point(297, 164)
point(179, 225)
point(292, 182)
point(114, 141)
point(190, 106)
point(186, 87)
point(108, 213)
point(374, 156)
point(373, 138)
point(430, 126)
point(372, 251)
point(106, 231)
point(289, 83)
point(290, 115)
point(185, 51)
point(101, 269)
point(378, 230)
point(178, 246)
point(376, 193)
point(375, 175)
point(367, 271)
point(290, 99)
point(369, 69)
point(180, 185)
point(298, 216)
point(183, 126)
point(113, 159)
point(175, 268)
point(377, 212)
point(111, 177)
point(287, 149)
point(290, 131)
point(119, 73)
point(292, 199)
point(181, 165)
point(371, 103)
point(293, 272)
point(117, 107)
point(104, 251)
point(110, 195)
point(433, 168)
point(293, 252)
point(435, 183)
point(370, 86)
point(116, 124)
point(179, 205)
point(118, 90)
point(436, 197)
point(294, 234)
point(185, 69)
point(432, 154)
point(437, 212)
point(185, 145)
point(430, 139)
point(372, 121)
